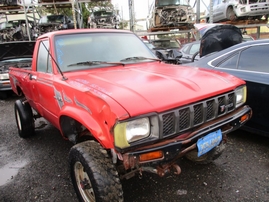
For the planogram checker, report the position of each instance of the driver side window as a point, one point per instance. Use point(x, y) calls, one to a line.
point(43, 58)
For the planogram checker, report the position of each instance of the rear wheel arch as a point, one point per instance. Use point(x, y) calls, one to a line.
point(19, 91)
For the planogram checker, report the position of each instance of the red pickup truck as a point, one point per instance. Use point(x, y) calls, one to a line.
point(125, 111)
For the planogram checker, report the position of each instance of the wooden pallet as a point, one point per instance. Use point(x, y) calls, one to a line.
point(15, 7)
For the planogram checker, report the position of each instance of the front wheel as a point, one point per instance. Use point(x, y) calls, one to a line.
point(231, 14)
point(93, 174)
point(24, 118)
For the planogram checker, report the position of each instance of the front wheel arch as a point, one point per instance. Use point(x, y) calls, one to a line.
point(98, 130)
point(74, 130)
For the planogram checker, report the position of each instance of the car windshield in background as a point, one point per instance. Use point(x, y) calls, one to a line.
point(150, 45)
point(52, 19)
point(166, 44)
point(110, 48)
point(103, 13)
point(171, 2)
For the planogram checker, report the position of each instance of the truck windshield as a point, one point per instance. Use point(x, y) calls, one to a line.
point(109, 48)
point(170, 2)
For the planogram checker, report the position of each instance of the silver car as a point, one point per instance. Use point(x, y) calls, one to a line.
point(234, 9)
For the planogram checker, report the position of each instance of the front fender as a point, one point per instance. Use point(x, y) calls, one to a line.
point(98, 129)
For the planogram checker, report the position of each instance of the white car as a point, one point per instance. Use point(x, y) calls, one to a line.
point(234, 9)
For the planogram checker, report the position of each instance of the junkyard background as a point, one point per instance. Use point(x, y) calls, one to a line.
point(36, 169)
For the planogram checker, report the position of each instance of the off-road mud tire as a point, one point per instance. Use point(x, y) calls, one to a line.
point(88, 160)
point(24, 119)
point(207, 158)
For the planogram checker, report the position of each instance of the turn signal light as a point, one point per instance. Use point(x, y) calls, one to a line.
point(151, 156)
point(244, 118)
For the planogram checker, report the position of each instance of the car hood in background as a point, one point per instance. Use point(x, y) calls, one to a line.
point(18, 49)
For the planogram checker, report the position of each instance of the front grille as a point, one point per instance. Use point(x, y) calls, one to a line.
point(185, 118)
point(256, 7)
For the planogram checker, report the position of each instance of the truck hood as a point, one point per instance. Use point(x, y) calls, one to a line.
point(153, 87)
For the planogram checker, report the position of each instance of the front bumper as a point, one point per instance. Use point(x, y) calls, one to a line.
point(176, 147)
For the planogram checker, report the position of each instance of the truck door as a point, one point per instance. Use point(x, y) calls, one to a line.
point(44, 88)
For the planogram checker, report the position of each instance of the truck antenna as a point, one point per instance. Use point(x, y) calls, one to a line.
point(63, 77)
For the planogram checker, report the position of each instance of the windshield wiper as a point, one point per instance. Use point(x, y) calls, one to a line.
point(139, 58)
point(96, 63)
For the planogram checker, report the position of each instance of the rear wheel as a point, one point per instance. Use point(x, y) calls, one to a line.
point(24, 118)
point(93, 174)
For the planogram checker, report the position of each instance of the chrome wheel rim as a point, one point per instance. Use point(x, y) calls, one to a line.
point(83, 183)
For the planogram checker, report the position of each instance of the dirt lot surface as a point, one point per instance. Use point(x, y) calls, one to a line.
point(36, 169)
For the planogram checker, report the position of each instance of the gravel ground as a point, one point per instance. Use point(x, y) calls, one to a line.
point(36, 169)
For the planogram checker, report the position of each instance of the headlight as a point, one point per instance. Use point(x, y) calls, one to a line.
point(4, 76)
point(131, 131)
point(241, 95)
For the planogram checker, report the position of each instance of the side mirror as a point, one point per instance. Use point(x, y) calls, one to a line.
point(32, 77)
